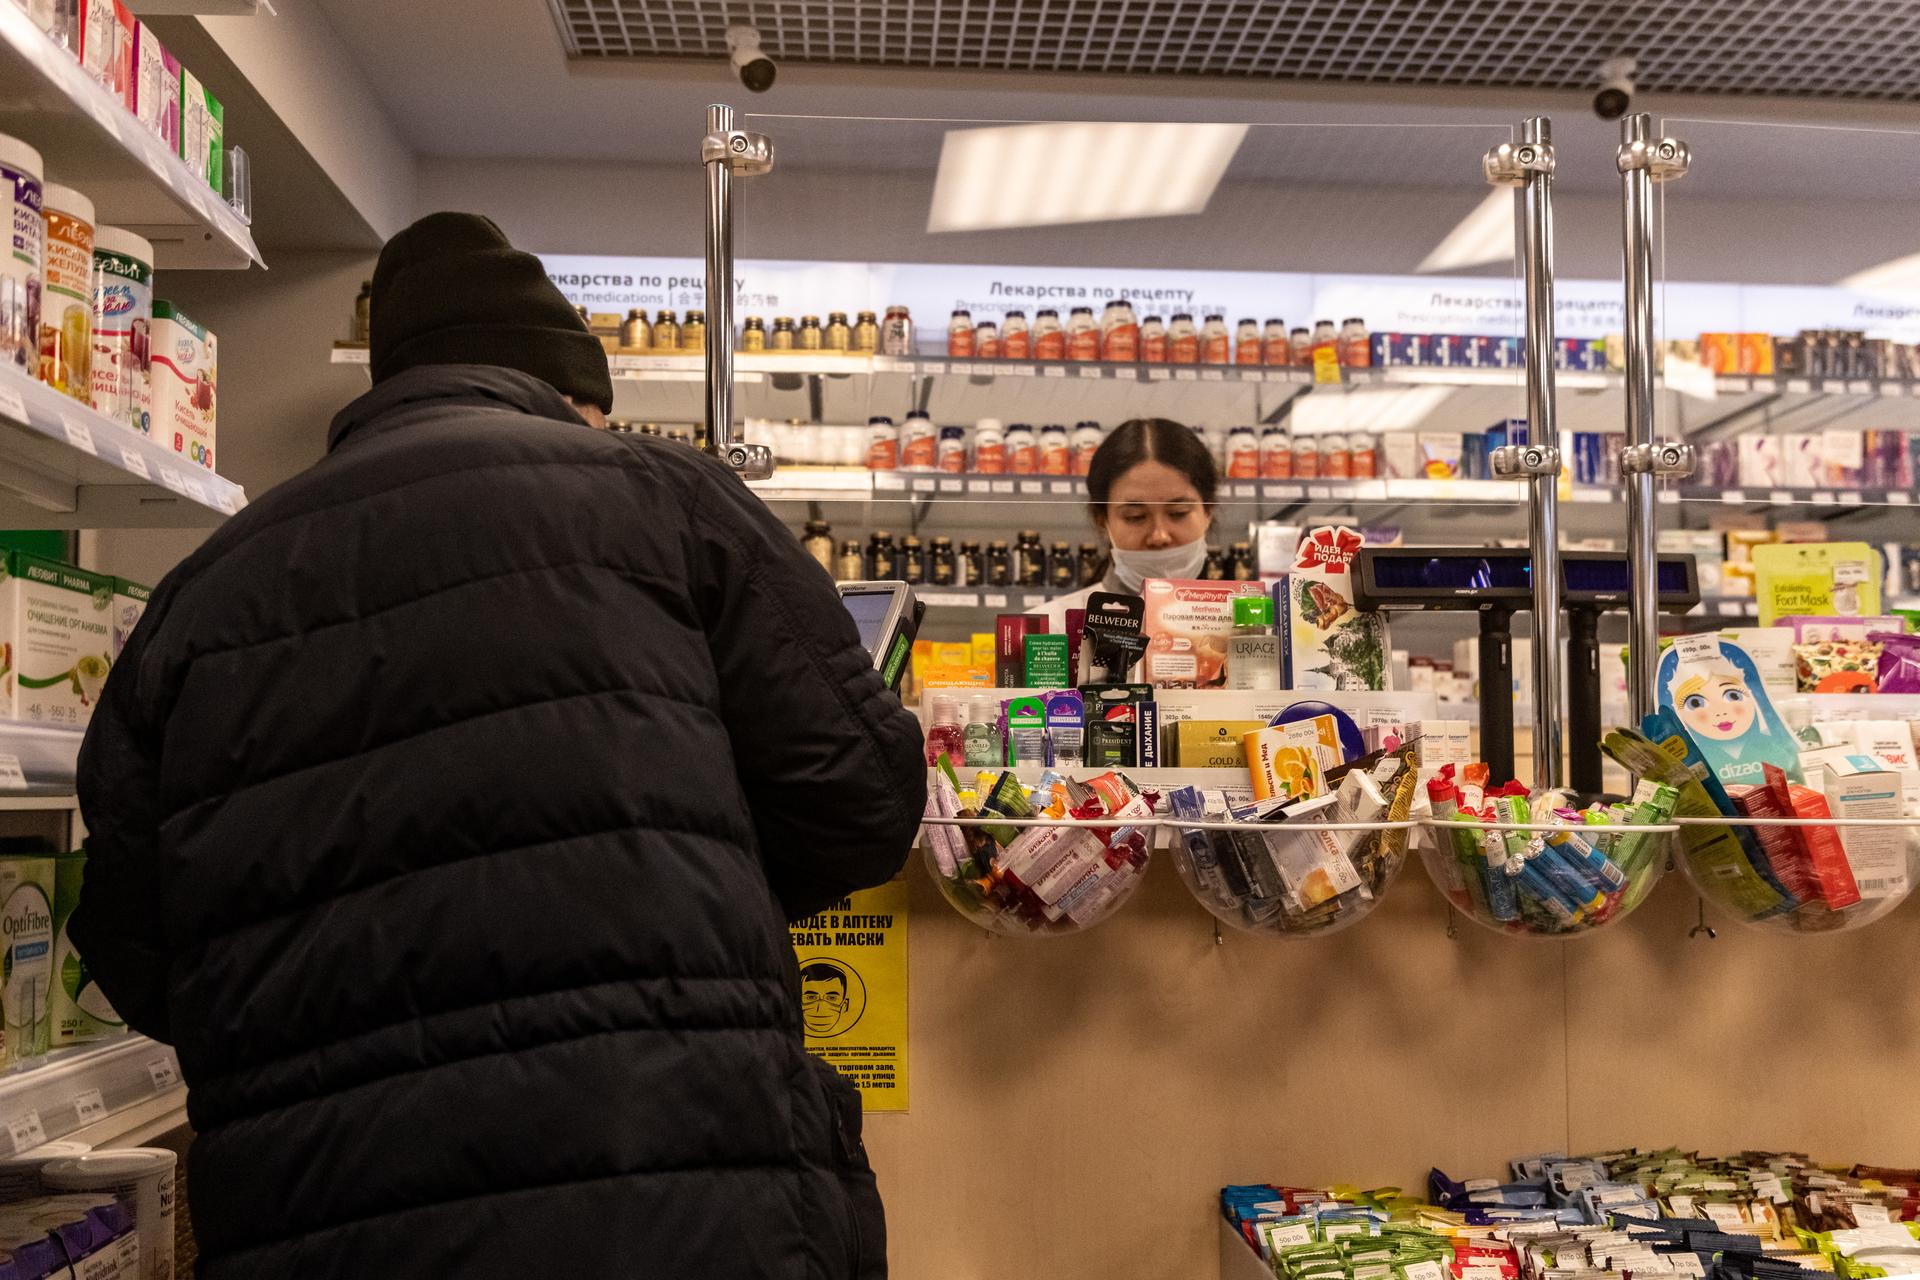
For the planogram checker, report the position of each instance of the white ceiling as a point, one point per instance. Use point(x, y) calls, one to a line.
point(1798, 48)
point(488, 79)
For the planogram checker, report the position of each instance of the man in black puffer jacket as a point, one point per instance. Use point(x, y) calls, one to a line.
point(447, 809)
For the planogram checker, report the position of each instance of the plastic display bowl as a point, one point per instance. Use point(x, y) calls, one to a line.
point(1801, 875)
point(1290, 880)
point(1082, 872)
point(1539, 881)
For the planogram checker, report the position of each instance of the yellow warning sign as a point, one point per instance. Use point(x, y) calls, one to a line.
point(853, 991)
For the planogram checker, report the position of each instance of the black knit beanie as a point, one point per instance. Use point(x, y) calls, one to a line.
point(450, 289)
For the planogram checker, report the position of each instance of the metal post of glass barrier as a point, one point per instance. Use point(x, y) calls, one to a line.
point(1644, 160)
point(1527, 166)
point(724, 152)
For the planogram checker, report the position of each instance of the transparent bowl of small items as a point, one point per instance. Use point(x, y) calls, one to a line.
point(1301, 869)
point(1802, 875)
point(1546, 877)
point(1051, 857)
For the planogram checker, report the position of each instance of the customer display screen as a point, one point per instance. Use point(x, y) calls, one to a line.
point(870, 610)
point(1613, 575)
point(1453, 573)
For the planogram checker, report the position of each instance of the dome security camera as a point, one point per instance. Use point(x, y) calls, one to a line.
point(755, 69)
point(1614, 97)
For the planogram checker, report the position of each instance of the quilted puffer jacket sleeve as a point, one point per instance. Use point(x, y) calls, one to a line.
point(831, 763)
point(117, 925)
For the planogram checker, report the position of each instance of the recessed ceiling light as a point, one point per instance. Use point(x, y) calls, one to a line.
point(1035, 175)
point(1483, 236)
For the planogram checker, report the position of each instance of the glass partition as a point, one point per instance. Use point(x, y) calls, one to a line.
point(1788, 319)
point(941, 320)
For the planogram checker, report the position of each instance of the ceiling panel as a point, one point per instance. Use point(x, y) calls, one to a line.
point(1845, 49)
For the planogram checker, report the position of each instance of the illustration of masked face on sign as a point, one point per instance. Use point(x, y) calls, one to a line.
point(832, 998)
point(1712, 688)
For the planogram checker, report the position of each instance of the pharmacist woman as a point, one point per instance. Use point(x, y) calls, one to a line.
point(1150, 492)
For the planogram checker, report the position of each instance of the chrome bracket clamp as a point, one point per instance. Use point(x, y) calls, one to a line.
point(1662, 458)
point(1664, 159)
point(747, 155)
point(1525, 461)
point(1511, 163)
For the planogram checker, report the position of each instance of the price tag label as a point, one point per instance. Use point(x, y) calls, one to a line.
point(197, 491)
point(1735, 384)
point(12, 407)
point(888, 482)
point(1823, 498)
point(1032, 486)
point(1891, 388)
point(164, 1074)
point(1780, 497)
point(1157, 374)
point(1850, 499)
point(1300, 377)
point(1213, 375)
point(1898, 498)
point(12, 776)
point(90, 1106)
point(994, 600)
point(79, 434)
point(1667, 498)
point(1282, 492)
point(1799, 386)
point(26, 1131)
point(1246, 490)
point(953, 486)
point(1319, 491)
point(1860, 387)
point(1730, 608)
point(225, 501)
point(1000, 486)
point(173, 480)
point(1186, 375)
point(1732, 497)
point(1089, 371)
point(923, 484)
point(132, 461)
point(1018, 370)
point(1250, 375)
point(979, 486)
point(1054, 371)
point(1061, 486)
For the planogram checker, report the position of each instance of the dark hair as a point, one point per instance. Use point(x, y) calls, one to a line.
point(1161, 440)
point(823, 973)
point(1139, 440)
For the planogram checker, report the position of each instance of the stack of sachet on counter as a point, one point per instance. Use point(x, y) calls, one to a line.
point(1751, 1216)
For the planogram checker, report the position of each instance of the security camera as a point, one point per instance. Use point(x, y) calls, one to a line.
point(1615, 95)
point(756, 69)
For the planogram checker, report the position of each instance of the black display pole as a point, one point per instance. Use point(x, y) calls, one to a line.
point(1496, 690)
point(1583, 699)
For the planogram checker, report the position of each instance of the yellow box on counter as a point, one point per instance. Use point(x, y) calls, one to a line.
point(1210, 744)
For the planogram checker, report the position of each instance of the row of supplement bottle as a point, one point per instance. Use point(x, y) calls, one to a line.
point(1027, 562)
point(990, 449)
point(1119, 338)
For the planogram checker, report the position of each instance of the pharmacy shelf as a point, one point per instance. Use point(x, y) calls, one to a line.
point(64, 466)
point(1004, 599)
point(92, 143)
point(1768, 496)
point(90, 1092)
point(839, 484)
point(196, 8)
point(37, 765)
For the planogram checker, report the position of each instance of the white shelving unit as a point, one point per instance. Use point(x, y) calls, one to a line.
point(37, 765)
point(118, 1092)
point(64, 466)
point(92, 142)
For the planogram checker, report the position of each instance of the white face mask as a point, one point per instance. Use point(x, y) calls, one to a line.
point(1133, 568)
